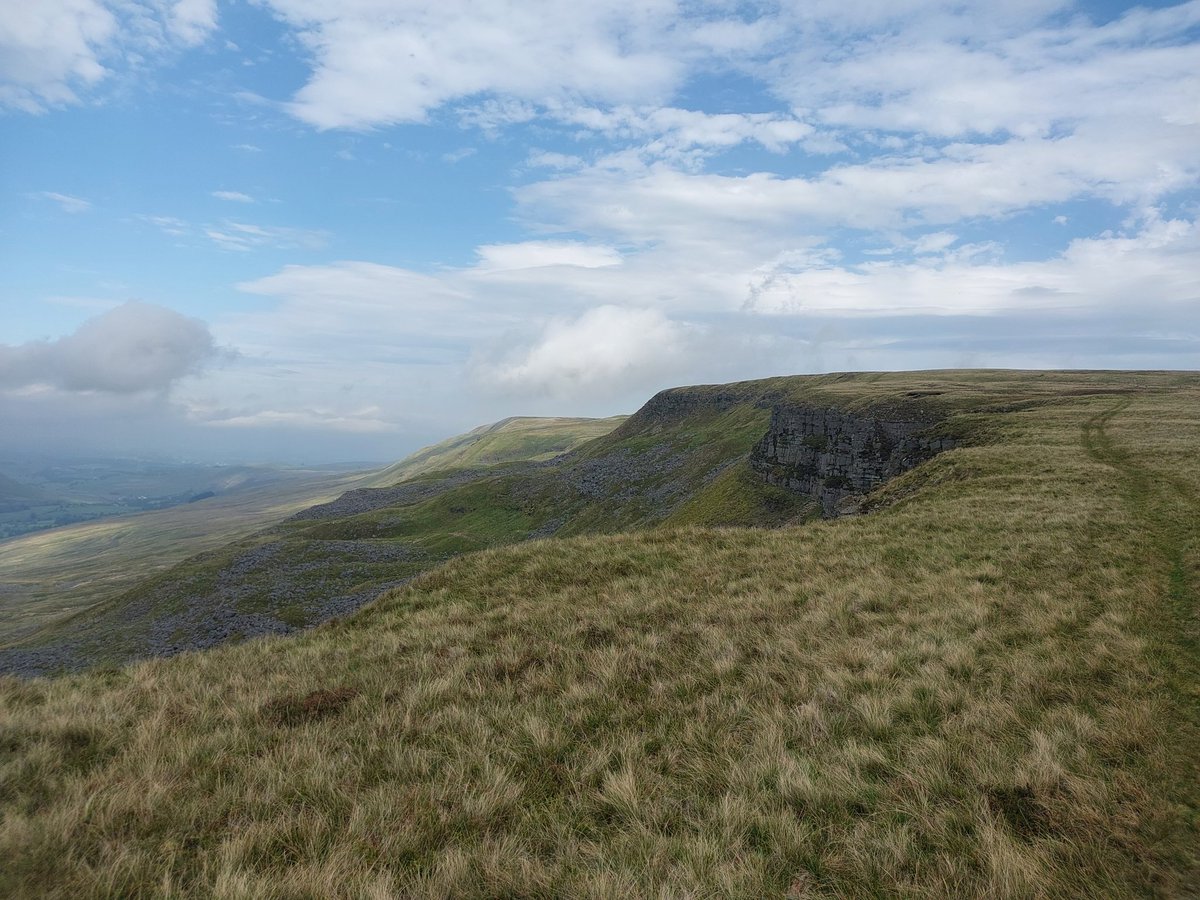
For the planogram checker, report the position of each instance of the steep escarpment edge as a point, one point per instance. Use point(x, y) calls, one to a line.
point(838, 456)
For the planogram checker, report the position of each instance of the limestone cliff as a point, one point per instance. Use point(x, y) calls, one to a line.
point(835, 456)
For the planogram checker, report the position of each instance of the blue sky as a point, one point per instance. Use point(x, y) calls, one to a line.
point(306, 231)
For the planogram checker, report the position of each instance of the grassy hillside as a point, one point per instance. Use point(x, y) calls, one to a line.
point(519, 438)
point(330, 560)
point(64, 573)
point(987, 687)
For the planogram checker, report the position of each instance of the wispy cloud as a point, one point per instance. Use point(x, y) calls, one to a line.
point(234, 196)
point(66, 202)
point(243, 236)
point(169, 225)
point(230, 234)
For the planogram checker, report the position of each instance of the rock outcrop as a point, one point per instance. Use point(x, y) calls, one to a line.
point(837, 456)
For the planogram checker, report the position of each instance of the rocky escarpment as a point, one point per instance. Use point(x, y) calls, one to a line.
point(837, 456)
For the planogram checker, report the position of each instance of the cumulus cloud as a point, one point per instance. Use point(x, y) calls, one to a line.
point(133, 348)
point(48, 49)
point(605, 349)
point(380, 63)
point(53, 49)
point(191, 21)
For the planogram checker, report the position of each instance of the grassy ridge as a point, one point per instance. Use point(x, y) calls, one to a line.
point(515, 439)
point(980, 689)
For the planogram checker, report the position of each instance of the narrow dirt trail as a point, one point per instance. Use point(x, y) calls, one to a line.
point(1169, 510)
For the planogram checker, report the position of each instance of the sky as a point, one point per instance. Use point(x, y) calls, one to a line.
point(308, 231)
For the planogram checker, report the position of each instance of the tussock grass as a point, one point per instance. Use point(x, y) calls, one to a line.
point(980, 689)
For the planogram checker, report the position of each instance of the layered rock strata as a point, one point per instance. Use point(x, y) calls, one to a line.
point(837, 456)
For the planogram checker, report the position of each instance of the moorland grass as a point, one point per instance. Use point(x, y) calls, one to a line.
point(520, 438)
point(981, 689)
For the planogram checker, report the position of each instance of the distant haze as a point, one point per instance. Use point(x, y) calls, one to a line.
point(324, 232)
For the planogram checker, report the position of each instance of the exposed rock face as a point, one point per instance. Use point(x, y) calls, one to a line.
point(836, 456)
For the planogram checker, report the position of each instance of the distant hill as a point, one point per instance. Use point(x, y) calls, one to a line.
point(509, 440)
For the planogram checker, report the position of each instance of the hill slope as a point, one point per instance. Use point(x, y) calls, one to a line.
point(984, 688)
point(516, 439)
point(333, 558)
point(64, 573)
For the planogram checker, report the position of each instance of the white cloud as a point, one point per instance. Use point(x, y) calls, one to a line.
point(1154, 270)
point(244, 236)
point(133, 348)
point(652, 254)
point(191, 21)
point(934, 242)
point(670, 133)
point(234, 196)
point(169, 225)
point(537, 254)
point(238, 236)
point(49, 48)
point(643, 203)
point(67, 203)
point(952, 73)
point(546, 159)
point(52, 49)
point(384, 62)
point(606, 348)
point(347, 314)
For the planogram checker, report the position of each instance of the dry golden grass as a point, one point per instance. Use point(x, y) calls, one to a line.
point(979, 690)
